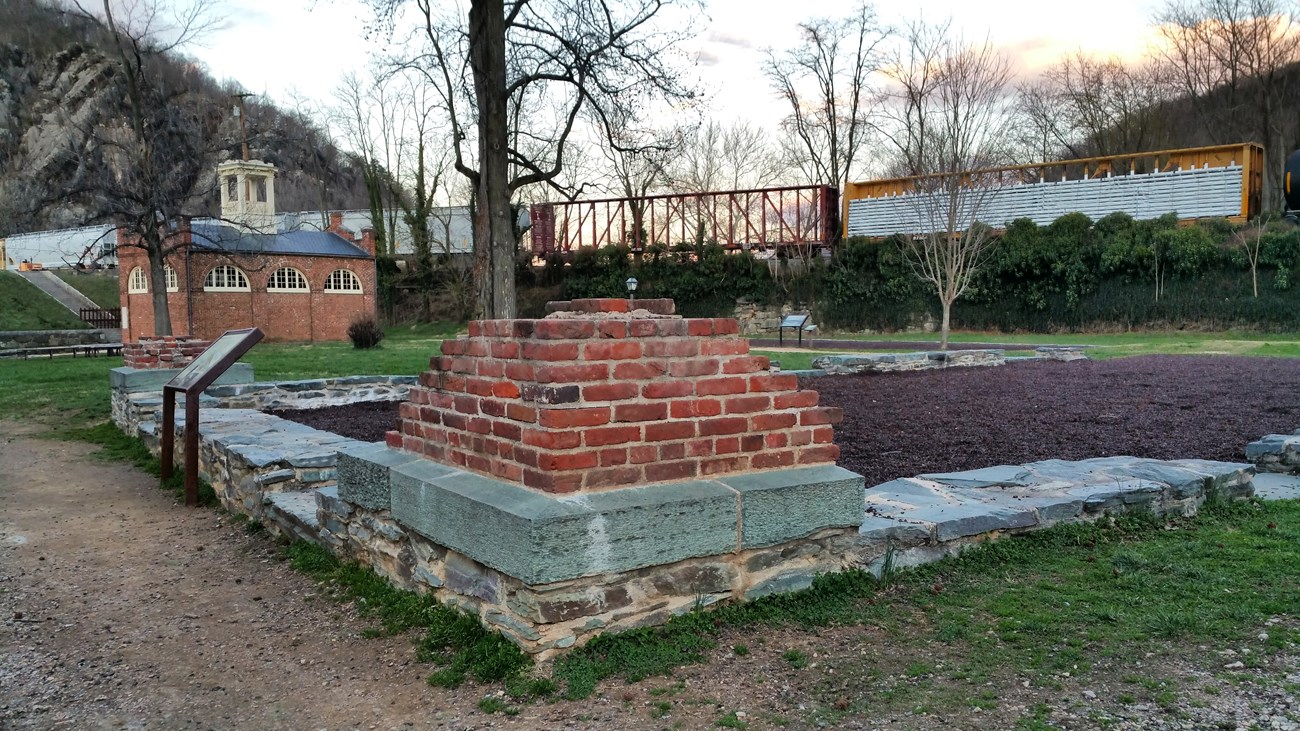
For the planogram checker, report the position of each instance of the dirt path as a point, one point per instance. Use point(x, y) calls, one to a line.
point(124, 610)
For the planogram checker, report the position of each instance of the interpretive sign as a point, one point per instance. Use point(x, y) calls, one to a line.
point(191, 381)
point(795, 322)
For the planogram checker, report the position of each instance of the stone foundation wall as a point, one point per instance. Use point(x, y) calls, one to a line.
point(13, 339)
point(757, 320)
point(888, 362)
point(548, 617)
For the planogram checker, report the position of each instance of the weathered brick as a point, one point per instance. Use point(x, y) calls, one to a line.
point(699, 448)
point(726, 445)
point(507, 430)
point(519, 371)
point(492, 407)
point(393, 439)
point(746, 364)
point(489, 368)
point(695, 408)
point(823, 435)
point(479, 425)
point(723, 465)
point(751, 442)
point(505, 349)
point(728, 346)
point(550, 394)
point(560, 461)
point(466, 404)
point(547, 439)
point(520, 412)
point(569, 418)
point(505, 389)
point(776, 440)
point(668, 389)
point(556, 482)
point(609, 435)
point(612, 477)
point(693, 367)
point(612, 329)
point(815, 417)
point(454, 347)
point(550, 351)
point(671, 328)
point(700, 327)
point(601, 304)
point(476, 348)
point(609, 392)
point(764, 383)
point(723, 425)
point(820, 453)
point(642, 453)
point(746, 404)
point(613, 457)
point(773, 459)
point(676, 470)
point(563, 329)
point(671, 348)
point(524, 455)
point(796, 400)
point(641, 370)
point(668, 430)
point(641, 412)
point(720, 386)
point(612, 350)
point(726, 326)
point(777, 420)
point(643, 328)
point(672, 450)
point(478, 386)
point(576, 373)
point(800, 437)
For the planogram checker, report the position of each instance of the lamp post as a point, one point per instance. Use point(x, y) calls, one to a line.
point(631, 288)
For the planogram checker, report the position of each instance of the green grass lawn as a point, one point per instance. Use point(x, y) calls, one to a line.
point(100, 287)
point(24, 307)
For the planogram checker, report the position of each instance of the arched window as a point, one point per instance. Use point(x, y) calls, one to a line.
point(173, 283)
point(342, 280)
point(225, 278)
point(138, 283)
point(286, 279)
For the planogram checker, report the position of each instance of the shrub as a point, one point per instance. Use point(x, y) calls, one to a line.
point(365, 333)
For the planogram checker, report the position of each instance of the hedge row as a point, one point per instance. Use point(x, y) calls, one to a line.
point(1071, 274)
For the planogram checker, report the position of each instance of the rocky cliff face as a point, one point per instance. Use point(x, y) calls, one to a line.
point(66, 140)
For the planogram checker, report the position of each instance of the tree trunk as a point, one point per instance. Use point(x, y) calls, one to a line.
point(946, 324)
point(162, 317)
point(494, 239)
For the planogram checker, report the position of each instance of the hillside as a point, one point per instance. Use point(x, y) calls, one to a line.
point(62, 112)
point(24, 307)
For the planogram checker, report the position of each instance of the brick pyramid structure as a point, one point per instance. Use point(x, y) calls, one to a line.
point(606, 393)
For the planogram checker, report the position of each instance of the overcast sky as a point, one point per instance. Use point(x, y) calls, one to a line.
point(279, 47)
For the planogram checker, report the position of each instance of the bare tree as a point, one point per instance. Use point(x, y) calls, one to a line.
point(1251, 240)
point(826, 81)
point(533, 67)
point(716, 157)
point(158, 145)
point(1085, 106)
point(1231, 61)
point(954, 95)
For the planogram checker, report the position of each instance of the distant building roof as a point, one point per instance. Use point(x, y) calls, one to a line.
point(215, 235)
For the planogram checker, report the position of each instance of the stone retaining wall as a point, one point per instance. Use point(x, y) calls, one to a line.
point(14, 339)
point(887, 362)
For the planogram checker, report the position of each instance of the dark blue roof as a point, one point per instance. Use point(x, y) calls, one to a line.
point(215, 235)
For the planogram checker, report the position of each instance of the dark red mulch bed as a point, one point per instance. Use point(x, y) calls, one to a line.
point(904, 424)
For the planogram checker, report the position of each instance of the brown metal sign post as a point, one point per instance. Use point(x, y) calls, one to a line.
point(191, 381)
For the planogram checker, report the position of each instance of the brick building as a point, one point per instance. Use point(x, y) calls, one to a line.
point(241, 271)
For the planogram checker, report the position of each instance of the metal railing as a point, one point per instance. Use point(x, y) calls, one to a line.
point(757, 219)
point(102, 318)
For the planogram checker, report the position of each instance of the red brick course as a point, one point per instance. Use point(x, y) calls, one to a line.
point(572, 404)
point(163, 352)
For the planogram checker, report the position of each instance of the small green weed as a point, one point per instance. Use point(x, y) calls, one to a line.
point(453, 639)
point(660, 709)
point(740, 650)
point(731, 721)
point(797, 659)
point(492, 704)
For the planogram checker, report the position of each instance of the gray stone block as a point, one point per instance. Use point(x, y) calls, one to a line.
point(540, 538)
point(299, 506)
point(134, 380)
point(783, 583)
point(1273, 486)
point(876, 529)
point(783, 505)
point(985, 477)
point(363, 474)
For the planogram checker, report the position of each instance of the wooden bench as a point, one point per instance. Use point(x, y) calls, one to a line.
point(87, 349)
